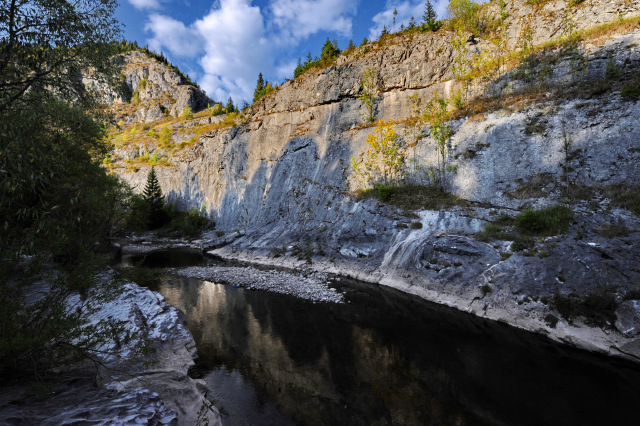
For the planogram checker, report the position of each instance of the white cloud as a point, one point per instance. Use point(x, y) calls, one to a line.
point(286, 70)
point(146, 4)
point(234, 42)
point(173, 35)
point(302, 18)
point(406, 9)
point(236, 49)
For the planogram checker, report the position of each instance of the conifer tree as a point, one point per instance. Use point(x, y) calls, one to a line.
point(329, 51)
point(230, 107)
point(152, 195)
point(259, 87)
point(430, 18)
point(385, 31)
point(351, 47)
point(412, 23)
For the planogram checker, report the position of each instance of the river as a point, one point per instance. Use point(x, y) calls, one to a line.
point(384, 357)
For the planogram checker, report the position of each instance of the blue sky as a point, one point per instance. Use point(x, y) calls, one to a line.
point(224, 44)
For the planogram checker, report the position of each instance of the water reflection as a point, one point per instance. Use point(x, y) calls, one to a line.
point(388, 358)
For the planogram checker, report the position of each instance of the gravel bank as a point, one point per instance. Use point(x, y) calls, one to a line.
point(313, 287)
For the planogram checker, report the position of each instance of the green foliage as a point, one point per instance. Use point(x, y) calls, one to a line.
point(259, 88)
point(625, 196)
point(135, 97)
point(464, 16)
point(165, 137)
point(441, 132)
point(548, 221)
point(412, 197)
point(369, 93)
point(153, 197)
point(187, 113)
point(262, 88)
point(230, 106)
point(597, 307)
point(350, 48)
point(537, 3)
point(143, 83)
point(613, 230)
point(612, 70)
point(430, 18)
point(631, 89)
point(124, 46)
point(188, 224)
point(329, 52)
point(44, 43)
point(384, 161)
point(57, 205)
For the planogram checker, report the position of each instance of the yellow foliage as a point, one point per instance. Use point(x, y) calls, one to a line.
point(384, 161)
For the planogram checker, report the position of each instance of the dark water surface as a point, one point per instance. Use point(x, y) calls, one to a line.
point(386, 357)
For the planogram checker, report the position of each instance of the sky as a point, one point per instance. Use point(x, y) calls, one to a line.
point(224, 44)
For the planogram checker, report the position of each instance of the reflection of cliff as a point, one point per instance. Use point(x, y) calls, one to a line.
point(369, 362)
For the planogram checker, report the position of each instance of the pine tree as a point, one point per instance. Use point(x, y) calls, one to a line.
point(329, 51)
point(351, 47)
point(259, 87)
point(412, 23)
point(152, 195)
point(230, 107)
point(430, 18)
point(385, 31)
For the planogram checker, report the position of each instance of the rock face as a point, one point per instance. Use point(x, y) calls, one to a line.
point(160, 90)
point(283, 177)
point(170, 353)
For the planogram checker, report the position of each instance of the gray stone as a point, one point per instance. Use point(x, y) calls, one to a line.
point(628, 318)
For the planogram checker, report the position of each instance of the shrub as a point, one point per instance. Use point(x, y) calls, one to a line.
point(384, 161)
point(187, 113)
point(135, 97)
point(613, 230)
point(597, 308)
point(165, 137)
point(625, 196)
point(416, 225)
point(369, 93)
point(414, 197)
point(189, 224)
point(548, 221)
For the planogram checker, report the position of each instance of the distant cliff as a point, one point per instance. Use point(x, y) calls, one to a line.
point(557, 125)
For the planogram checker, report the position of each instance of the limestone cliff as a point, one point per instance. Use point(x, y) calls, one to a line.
point(557, 127)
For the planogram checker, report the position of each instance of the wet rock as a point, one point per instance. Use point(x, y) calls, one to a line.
point(628, 318)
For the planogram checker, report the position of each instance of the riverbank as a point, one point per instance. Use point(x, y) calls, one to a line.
point(134, 384)
point(500, 304)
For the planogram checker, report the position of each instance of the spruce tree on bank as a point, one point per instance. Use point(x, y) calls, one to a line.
point(153, 197)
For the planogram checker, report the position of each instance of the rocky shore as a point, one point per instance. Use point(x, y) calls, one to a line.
point(313, 286)
point(131, 387)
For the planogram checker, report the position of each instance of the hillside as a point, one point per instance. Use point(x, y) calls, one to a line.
point(542, 111)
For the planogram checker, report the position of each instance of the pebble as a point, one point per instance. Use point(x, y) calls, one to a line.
point(314, 287)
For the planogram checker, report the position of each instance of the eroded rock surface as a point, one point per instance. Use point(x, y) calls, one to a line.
point(283, 177)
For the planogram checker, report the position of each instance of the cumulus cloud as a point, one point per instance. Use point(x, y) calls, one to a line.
point(301, 18)
point(406, 9)
point(236, 40)
point(172, 35)
point(235, 49)
point(146, 4)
